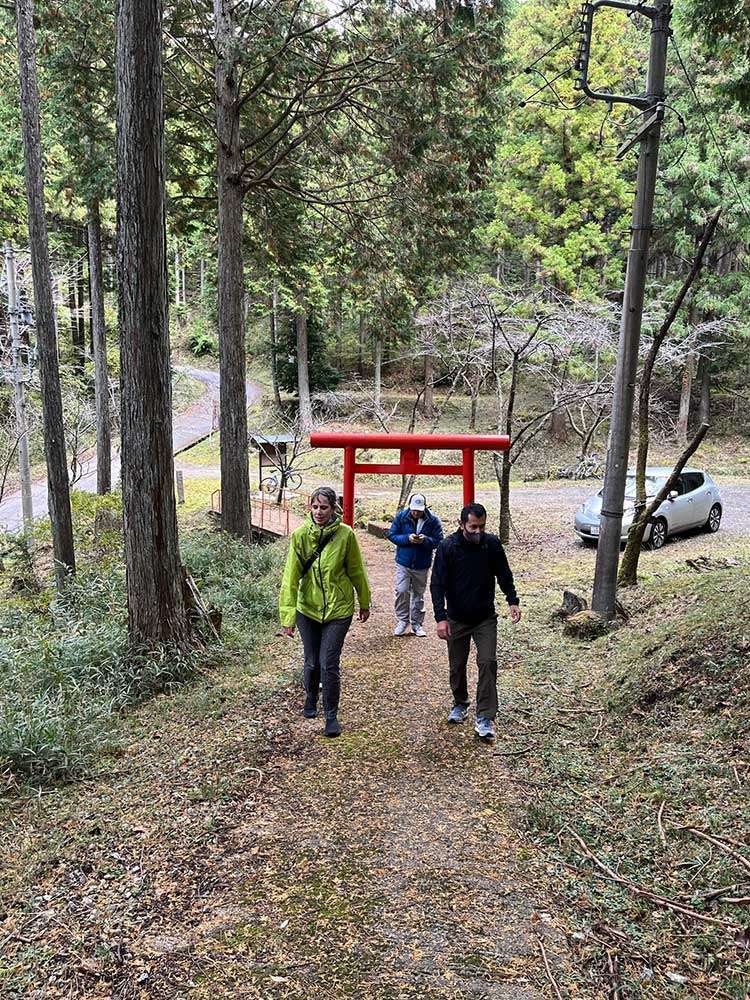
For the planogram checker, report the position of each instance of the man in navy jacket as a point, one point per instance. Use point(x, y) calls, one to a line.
point(415, 532)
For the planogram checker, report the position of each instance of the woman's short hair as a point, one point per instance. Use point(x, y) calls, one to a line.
point(328, 493)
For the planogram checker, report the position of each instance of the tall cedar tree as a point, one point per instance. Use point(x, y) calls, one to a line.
point(156, 612)
point(54, 440)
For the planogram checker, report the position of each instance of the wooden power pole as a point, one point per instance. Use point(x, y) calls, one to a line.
point(647, 136)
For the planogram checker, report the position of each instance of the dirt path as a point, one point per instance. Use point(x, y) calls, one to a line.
point(236, 853)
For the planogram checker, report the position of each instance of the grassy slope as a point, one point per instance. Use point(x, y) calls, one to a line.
point(654, 718)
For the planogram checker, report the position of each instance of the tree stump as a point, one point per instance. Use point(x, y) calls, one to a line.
point(585, 625)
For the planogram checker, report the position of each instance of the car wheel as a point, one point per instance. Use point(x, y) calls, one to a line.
point(659, 532)
point(714, 519)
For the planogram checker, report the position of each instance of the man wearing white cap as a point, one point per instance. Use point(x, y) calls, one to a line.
point(415, 532)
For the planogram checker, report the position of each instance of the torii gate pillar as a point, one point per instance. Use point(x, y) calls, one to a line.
point(409, 446)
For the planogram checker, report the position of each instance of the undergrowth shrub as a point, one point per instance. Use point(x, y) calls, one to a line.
point(66, 667)
point(240, 579)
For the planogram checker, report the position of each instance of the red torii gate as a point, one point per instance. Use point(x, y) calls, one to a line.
point(409, 445)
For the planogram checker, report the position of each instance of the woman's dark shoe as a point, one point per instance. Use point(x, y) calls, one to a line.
point(333, 727)
point(311, 707)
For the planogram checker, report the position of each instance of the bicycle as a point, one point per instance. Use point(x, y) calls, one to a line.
point(275, 482)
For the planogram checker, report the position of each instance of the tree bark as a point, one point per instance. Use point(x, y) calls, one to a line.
point(377, 368)
point(338, 319)
point(361, 344)
point(156, 611)
point(428, 401)
point(99, 337)
point(273, 337)
point(73, 322)
point(81, 314)
point(177, 276)
point(303, 371)
point(558, 426)
point(52, 414)
point(235, 480)
point(685, 395)
point(503, 472)
point(704, 382)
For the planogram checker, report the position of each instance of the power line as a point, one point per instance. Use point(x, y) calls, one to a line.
point(710, 127)
point(556, 45)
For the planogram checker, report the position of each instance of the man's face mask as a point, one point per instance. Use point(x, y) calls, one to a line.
point(474, 528)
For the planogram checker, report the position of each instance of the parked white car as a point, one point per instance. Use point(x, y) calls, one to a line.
point(695, 502)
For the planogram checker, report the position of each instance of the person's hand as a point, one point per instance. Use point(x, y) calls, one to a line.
point(443, 630)
point(415, 539)
point(515, 613)
point(364, 614)
point(287, 630)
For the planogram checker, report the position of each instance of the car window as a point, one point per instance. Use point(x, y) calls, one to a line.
point(693, 481)
point(679, 486)
point(653, 485)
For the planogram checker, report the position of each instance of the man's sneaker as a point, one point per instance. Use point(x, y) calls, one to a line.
point(400, 629)
point(333, 727)
point(418, 630)
point(311, 708)
point(459, 713)
point(484, 728)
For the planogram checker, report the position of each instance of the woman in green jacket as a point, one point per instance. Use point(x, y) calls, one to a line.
point(323, 569)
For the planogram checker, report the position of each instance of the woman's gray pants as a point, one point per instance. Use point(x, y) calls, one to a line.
point(323, 644)
point(410, 587)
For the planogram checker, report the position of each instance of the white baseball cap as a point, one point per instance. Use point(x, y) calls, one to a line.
point(417, 502)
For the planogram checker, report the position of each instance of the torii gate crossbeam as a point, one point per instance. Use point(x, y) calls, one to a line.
point(409, 464)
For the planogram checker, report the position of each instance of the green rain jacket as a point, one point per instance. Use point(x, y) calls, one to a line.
point(327, 589)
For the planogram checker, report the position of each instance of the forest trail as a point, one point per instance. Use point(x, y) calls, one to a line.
point(237, 853)
point(189, 426)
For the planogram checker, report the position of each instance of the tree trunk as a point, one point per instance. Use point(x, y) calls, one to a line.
point(504, 483)
point(558, 427)
point(303, 371)
point(628, 574)
point(503, 472)
point(704, 382)
point(361, 344)
point(273, 337)
point(685, 394)
point(73, 321)
point(428, 401)
point(377, 369)
point(81, 313)
point(54, 442)
point(156, 611)
point(235, 480)
point(177, 279)
point(101, 373)
point(338, 319)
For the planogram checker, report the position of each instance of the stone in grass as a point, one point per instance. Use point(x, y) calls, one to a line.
point(571, 605)
point(585, 625)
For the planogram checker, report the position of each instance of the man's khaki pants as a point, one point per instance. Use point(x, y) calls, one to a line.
point(459, 643)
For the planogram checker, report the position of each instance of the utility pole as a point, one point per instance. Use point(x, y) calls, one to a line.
point(19, 395)
point(652, 104)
